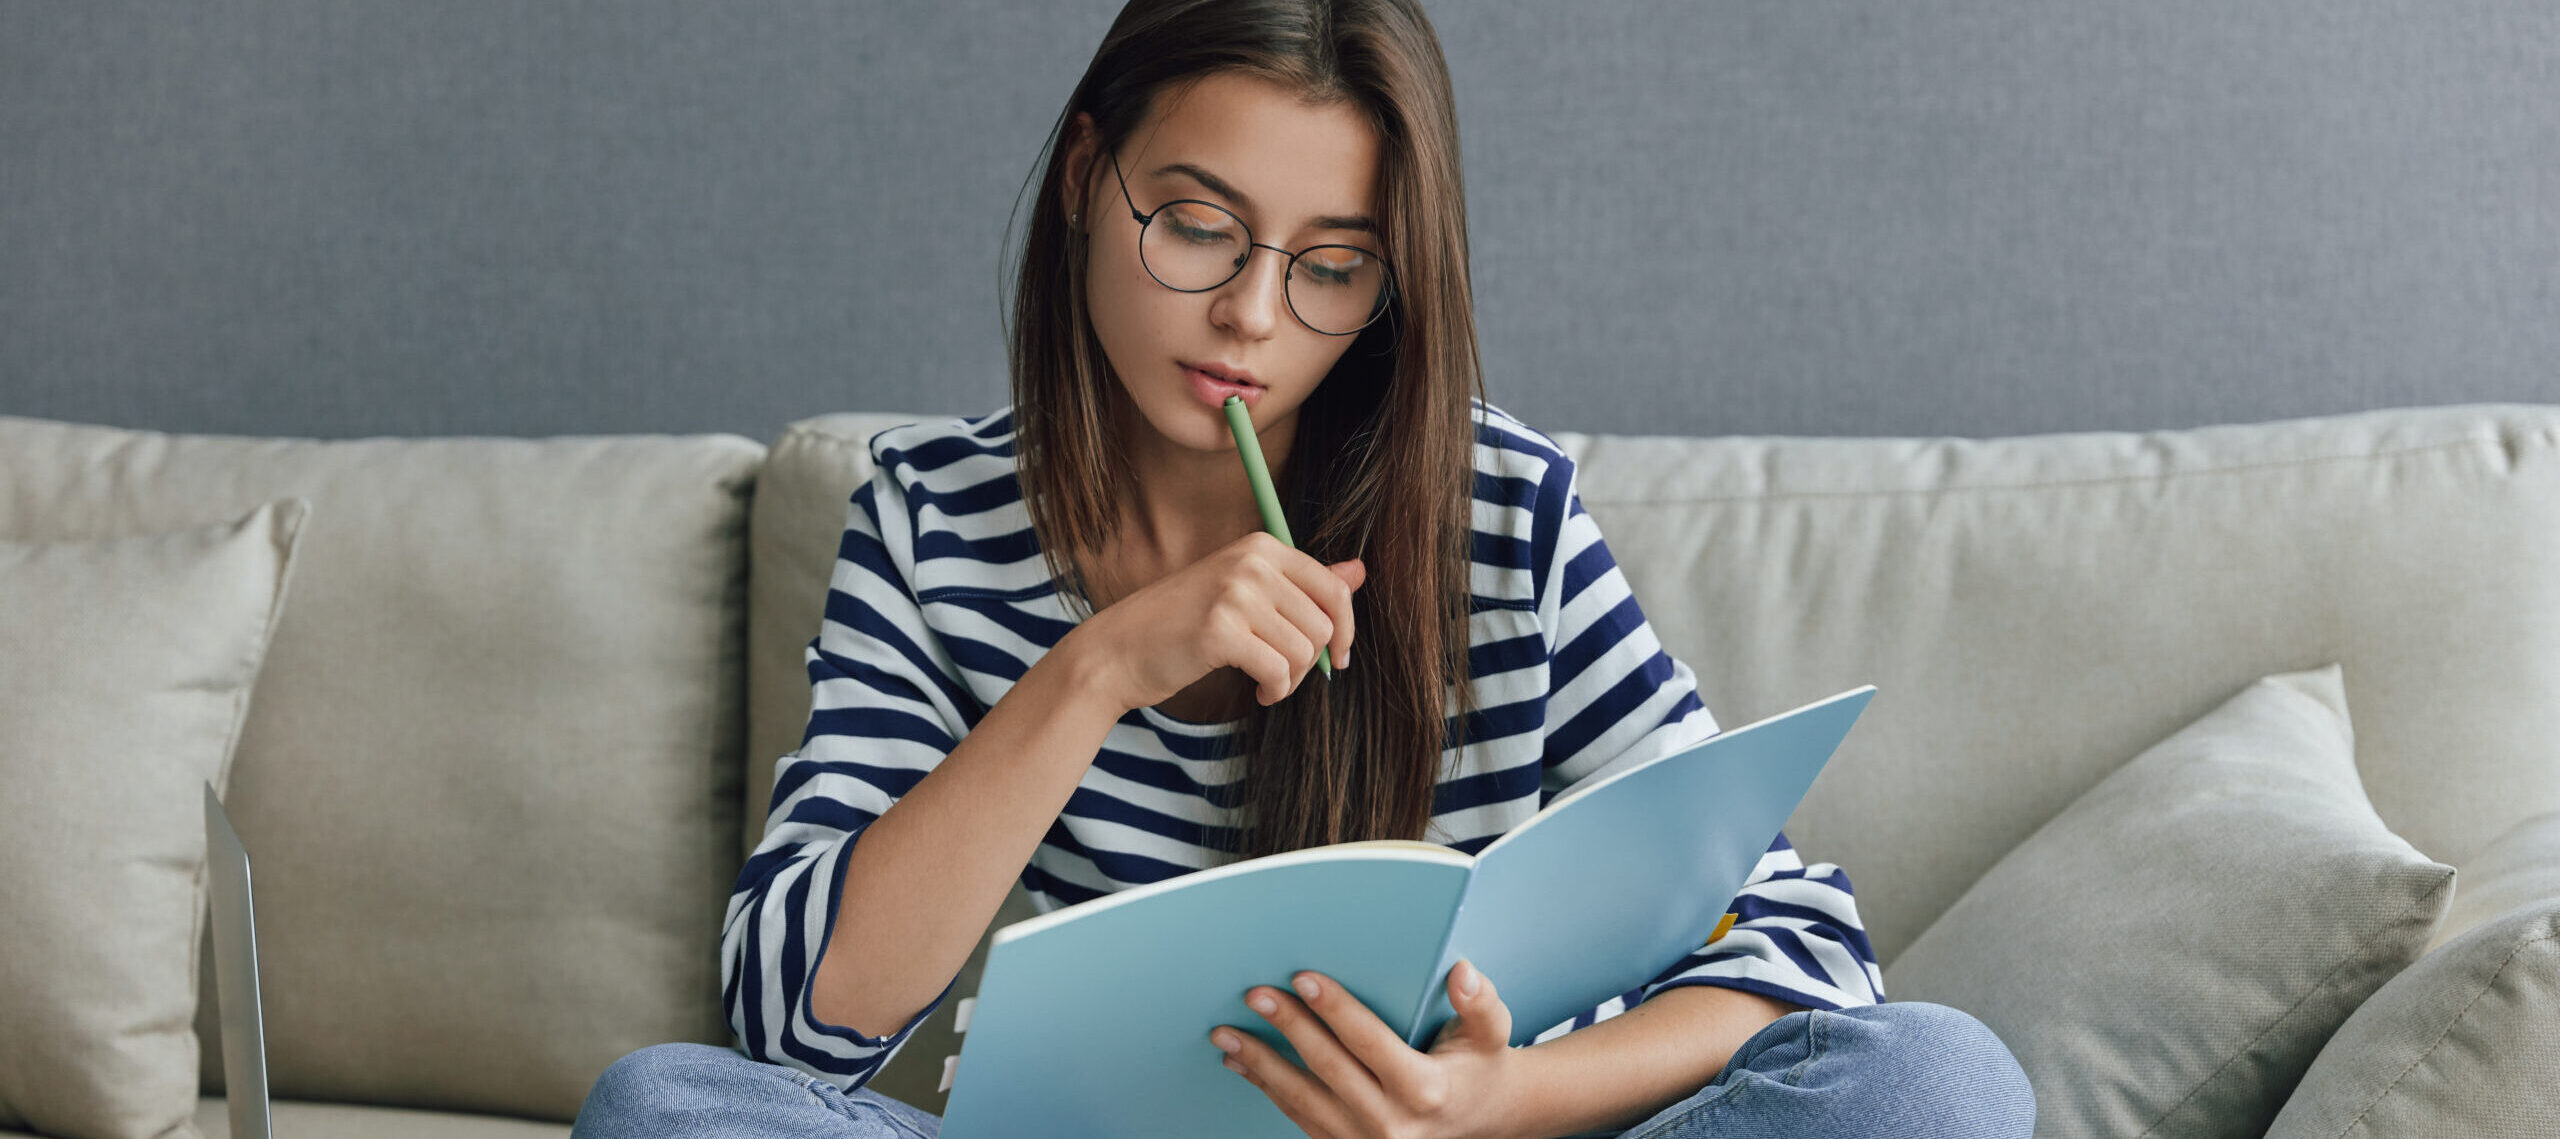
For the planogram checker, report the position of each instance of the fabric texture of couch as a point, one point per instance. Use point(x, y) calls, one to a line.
point(516, 726)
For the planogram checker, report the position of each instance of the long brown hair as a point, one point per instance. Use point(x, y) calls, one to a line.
point(1382, 465)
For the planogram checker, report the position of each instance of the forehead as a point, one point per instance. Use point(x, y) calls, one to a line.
point(1294, 161)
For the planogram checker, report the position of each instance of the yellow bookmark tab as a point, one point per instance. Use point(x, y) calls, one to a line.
point(1721, 926)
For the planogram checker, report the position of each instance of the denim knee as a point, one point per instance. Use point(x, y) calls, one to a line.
point(637, 1088)
point(1951, 1068)
point(656, 1063)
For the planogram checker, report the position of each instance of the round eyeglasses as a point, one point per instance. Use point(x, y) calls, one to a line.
point(1192, 246)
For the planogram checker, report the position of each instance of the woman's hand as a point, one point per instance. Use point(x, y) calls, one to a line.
point(1254, 604)
point(1362, 1081)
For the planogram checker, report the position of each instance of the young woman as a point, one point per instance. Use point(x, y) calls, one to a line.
point(1059, 648)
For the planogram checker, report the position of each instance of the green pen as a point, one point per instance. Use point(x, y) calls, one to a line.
point(1249, 445)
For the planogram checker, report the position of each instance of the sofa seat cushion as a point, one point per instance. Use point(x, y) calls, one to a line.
point(294, 1119)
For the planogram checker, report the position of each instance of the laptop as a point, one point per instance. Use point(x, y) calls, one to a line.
point(235, 971)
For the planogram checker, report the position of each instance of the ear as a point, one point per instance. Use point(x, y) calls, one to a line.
point(1078, 181)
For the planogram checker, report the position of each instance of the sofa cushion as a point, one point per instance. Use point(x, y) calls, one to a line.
point(2166, 956)
point(295, 1120)
point(2517, 869)
point(2033, 609)
point(2466, 1041)
point(129, 669)
point(491, 781)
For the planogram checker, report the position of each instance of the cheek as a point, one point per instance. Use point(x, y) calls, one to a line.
point(1137, 319)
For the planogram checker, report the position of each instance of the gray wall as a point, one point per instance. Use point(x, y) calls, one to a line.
point(1969, 217)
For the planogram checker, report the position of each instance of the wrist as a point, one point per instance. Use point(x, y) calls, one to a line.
point(1527, 1096)
point(1080, 676)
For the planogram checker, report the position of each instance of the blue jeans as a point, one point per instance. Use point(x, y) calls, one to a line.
point(1901, 1068)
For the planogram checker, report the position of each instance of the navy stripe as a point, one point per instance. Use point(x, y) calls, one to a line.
point(1567, 740)
point(1020, 622)
point(845, 610)
point(1555, 490)
point(1039, 881)
point(1855, 939)
point(978, 498)
point(1498, 490)
point(1503, 721)
point(1149, 772)
point(1470, 791)
point(1002, 549)
point(878, 724)
point(931, 454)
point(828, 813)
point(1124, 867)
point(1605, 632)
point(1492, 658)
point(1500, 551)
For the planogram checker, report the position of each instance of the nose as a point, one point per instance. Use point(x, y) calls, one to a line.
point(1253, 301)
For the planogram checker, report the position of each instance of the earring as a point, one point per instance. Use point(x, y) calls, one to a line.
point(1076, 218)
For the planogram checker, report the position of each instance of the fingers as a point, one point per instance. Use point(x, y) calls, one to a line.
point(1329, 590)
point(1351, 1044)
point(1300, 1095)
point(1307, 614)
point(1294, 605)
point(1336, 1086)
point(1251, 651)
point(1289, 642)
point(1481, 1014)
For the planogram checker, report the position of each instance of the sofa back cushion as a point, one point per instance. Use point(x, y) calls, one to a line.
point(490, 782)
point(2033, 610)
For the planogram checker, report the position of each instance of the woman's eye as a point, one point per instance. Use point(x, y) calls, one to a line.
point(1334, 270)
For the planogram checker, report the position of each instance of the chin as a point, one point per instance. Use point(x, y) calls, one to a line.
point(1185, 422)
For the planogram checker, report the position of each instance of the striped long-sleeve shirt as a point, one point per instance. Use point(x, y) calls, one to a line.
point(940, 601)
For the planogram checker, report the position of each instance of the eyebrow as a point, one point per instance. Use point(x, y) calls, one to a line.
point(1218, 185)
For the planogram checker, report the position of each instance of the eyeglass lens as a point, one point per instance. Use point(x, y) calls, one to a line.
point(1195, 246)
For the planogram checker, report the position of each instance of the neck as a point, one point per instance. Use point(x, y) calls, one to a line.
point(1184, 503)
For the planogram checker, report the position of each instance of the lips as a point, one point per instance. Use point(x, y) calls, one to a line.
point(1213, 390)
point(1223, 374)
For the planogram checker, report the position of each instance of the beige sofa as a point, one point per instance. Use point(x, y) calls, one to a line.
point(513, 735)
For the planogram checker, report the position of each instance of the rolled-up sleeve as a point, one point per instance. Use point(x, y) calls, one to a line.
point(886, 706)
point(1616, 697)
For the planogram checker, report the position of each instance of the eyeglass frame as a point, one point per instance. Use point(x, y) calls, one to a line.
point(1386, 292)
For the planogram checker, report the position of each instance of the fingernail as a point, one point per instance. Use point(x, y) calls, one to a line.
point(1262, 1003)
point(1226, 1042)
point(1308, 988)
point(1468, 980)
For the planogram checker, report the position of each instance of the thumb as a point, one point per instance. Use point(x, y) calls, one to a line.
point(1481, 1014)
point(1352, 571)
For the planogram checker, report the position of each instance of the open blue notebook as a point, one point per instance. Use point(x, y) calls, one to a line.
point(1093, 1020)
